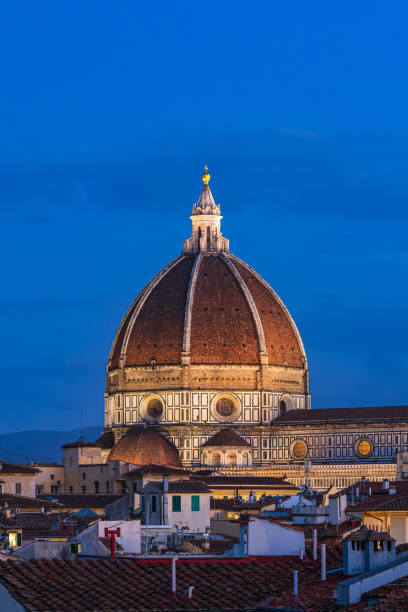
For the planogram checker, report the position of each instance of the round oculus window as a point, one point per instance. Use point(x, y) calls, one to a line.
point(298, 449)
point(155, 408)
point(364, 447)
point(225, 407)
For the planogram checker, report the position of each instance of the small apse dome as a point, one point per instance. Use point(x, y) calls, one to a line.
point(142, 446)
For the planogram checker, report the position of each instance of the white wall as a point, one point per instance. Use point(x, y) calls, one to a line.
point(266, 538)
point(196, 521)
point(129, 537)
point(26, 480)
point(295, 500)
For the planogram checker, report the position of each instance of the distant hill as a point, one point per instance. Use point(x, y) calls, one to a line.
point(45, 446)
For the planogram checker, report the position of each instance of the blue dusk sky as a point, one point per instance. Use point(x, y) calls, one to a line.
point(108, 111)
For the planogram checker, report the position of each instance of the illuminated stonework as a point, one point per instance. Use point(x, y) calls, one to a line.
point(207, 342)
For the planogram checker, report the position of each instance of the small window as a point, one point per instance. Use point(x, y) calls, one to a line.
point(142, 497)
point(52, 476)
point(18, 488)
point(107, 486)
point(83, 488)
point(83, 475)
point(96, 484)
point(195, 503)
point(154, 503)
point(71, 488)
point(176, 503)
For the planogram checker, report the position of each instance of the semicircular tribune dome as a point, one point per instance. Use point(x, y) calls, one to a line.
point(207, 307)
point(144, 445)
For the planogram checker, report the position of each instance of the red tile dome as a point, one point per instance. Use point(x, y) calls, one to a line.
point(144, 445)
point(212, 308)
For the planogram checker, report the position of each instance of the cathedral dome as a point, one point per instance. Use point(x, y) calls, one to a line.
point(144, 445)
point(207, 307)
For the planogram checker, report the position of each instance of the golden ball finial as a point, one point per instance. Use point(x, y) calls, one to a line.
point(205, 176)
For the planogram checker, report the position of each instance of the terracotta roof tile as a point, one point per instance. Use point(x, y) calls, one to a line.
point(156, 469)
point(13, 468)
point(226, 437)
point(82, 500)
point(324, 415)
point(20, 501)
point(143, 445)
point(237, 482)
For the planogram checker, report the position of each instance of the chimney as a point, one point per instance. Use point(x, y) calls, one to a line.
point(295, 582)
point(314, 544)
point(165, 500)
point(173, 575)
point(323, 561)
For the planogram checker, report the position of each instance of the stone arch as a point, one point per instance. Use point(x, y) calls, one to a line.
point(232, 458)
point(216, 458)
point(286, 403)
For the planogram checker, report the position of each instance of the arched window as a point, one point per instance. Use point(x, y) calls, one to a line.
point(232, 458)
point(216, 459)
point(283, 406)
point(208, 237)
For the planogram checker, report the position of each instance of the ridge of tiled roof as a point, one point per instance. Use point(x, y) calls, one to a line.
point(237, 506)
point(14, 468)
point(181, 486)
point(33, 534)
point(48, 520)
point(81, 444)
point(369, 413)
point(226, 437)
point(151, 468)
point(376, 487)
point(250, 481)
point(20, 501)
point(391, 501)
point(83, 500)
